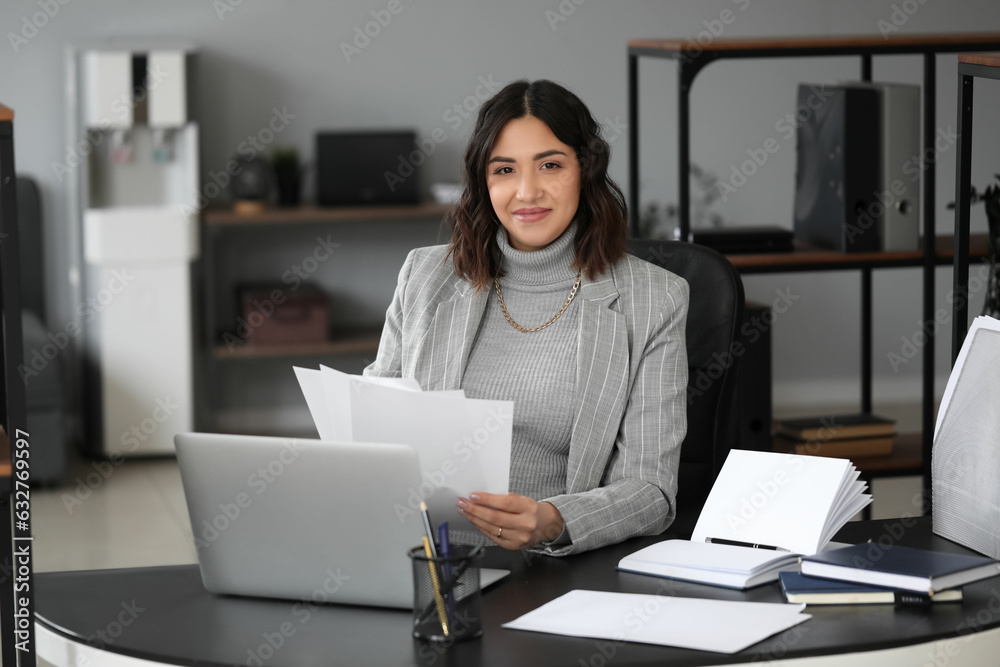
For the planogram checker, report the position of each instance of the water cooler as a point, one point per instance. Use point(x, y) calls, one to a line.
point(137, 195)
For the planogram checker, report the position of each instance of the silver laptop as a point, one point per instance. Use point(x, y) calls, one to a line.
point(304, 519)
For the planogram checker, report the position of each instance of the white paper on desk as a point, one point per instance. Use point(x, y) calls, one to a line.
point(790, 501)
point(463, 444)
point(724, 626)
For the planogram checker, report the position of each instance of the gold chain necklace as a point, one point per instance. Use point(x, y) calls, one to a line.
point(503, 307)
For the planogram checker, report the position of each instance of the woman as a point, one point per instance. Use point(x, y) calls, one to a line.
point(536, 301)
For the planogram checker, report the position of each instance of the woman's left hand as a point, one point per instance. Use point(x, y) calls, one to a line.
point(512, 521)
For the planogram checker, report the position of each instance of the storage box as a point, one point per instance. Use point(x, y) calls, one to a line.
point(281, 316)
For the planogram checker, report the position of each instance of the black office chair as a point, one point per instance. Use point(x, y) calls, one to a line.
point(714, 316)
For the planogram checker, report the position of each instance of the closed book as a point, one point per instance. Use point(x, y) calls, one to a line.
point(900, 567)
point(837, 427)
point(841, 449)
point(801, 589)
point(705, 563)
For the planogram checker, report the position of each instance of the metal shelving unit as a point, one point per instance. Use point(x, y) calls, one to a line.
point(691, 58)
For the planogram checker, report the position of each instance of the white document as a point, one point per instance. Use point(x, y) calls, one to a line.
point(790, 501)
point(723, 626)
point(311, 383)
point(463, 444)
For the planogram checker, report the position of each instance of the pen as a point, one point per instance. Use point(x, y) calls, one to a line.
point(737, 543)
point(437, 588)
point(450, 585)
point(427, 528)
point(445, 551)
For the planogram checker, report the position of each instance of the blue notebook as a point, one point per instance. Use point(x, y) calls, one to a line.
point(900, 567)
point(799, 588)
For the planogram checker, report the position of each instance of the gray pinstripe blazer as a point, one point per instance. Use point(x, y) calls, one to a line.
point(631, 384)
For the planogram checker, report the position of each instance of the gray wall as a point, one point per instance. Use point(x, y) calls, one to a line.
point(433, 55)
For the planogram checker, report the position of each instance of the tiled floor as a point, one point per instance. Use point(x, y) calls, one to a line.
point(135, 516)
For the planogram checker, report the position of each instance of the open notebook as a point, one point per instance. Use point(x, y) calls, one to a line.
point(764, 511)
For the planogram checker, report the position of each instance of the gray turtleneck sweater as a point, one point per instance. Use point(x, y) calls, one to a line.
point(536, 370)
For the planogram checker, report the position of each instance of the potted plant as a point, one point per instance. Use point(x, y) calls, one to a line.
point(288, 172)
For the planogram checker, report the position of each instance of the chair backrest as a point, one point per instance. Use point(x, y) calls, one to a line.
point(714, 316)
point(29, 231)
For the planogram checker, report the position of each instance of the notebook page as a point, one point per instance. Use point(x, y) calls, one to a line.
point(782, 500)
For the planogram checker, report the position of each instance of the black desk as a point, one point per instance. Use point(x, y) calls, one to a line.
point(179, 623)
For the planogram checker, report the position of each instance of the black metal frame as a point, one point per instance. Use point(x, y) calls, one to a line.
point(688, 66)
point(13, 409)
point(967, 72)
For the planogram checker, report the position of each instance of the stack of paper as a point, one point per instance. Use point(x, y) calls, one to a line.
point(764, 510)
point(707, 625)
point(463, 444)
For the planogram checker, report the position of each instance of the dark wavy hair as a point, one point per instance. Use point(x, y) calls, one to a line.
point(602, 218)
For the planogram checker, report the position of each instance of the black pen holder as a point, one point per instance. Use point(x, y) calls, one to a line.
point(447, 598)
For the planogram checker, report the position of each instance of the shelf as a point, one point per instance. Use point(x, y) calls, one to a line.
point(906, 458)
point(356, 342)
point(984, 59)
point(808, 258)
point(817, 44)
point(313, 214)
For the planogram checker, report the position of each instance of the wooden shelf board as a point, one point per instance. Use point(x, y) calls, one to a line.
point(984, 59)
point(6, 114)
point(906, 456)
point(353, 343)
point(817, 42)
point(817, 257)
point(307, 214)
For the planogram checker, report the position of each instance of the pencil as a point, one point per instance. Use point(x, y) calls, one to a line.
point(437, 587)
